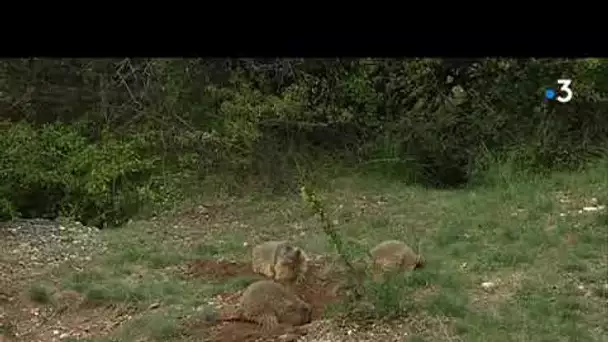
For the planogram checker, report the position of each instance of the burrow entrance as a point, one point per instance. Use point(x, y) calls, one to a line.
point(318, 289)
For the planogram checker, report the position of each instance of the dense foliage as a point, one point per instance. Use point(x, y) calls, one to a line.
point(98, 139)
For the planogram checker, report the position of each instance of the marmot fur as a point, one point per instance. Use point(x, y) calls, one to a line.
point(269, 304)
point(279, 260)
point(392, 255)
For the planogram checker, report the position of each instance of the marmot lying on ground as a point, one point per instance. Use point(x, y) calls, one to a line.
point(392, 255)
point(269, 304)
point(279, 260)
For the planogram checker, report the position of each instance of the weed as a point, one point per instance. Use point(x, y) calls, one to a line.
point(318, 209)
point(40, 293)
point(161, 326)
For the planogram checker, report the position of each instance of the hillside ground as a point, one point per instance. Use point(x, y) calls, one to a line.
point(522, 260)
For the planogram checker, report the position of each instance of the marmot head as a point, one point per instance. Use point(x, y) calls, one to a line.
point(292, 253)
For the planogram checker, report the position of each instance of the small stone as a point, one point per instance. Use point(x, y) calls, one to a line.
point(55, 332)
point(288, 338)
point(488, 285)
point(153, 306)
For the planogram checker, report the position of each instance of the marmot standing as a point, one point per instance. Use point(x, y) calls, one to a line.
point(269, 304)
point(395, 255)
point(279, 260)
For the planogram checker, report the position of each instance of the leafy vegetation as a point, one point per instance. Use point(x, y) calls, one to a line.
point(100, 140)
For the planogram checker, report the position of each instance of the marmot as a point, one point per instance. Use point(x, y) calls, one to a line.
point(279, 260)
point(269, 304)
point(393, 255)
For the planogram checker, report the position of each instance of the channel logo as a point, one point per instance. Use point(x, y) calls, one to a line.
point(564, 93)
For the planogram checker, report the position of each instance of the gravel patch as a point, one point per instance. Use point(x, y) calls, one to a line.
point(43, 243)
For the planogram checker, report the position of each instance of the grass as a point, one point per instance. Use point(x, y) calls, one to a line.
point(548, 261)
point(40, 293)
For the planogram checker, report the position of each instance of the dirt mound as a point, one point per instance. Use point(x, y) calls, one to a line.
point(218, 269)
point(316, 289)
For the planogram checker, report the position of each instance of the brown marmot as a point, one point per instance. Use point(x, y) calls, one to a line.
point(269, 304)
point(279, 260)
point(392, 255)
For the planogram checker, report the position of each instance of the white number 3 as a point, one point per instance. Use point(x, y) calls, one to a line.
point(565, 88)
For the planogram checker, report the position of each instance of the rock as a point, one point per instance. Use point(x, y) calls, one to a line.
point(488, 285)
point(289, 337)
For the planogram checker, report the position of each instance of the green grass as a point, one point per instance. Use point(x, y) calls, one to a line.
point(40, 293)
point(158, 326)
point(538, 250)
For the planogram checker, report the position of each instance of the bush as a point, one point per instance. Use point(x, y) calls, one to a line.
point(54, 170)
point(438, 117)
point(97, 139)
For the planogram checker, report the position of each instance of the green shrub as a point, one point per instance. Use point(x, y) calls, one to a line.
point(437, 117)
point(54, 170)
point(431, 121)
